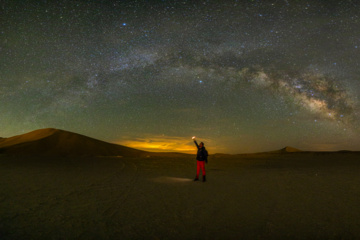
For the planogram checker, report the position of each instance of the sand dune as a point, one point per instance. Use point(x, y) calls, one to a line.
point(55, 142)
point(284, 150)
point(27, 137)
point(288, 149)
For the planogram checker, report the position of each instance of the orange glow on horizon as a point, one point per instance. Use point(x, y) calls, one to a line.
point(161, 144)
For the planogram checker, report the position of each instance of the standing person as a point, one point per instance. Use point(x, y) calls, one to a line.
point(201, 158)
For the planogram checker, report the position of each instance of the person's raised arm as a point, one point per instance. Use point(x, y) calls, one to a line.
point(196, 144)
point(193, 138)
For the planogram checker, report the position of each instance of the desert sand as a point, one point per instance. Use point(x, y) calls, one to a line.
point(277, 195)
point(293, 196)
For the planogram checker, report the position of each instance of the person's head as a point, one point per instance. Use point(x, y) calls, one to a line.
point(201, 145)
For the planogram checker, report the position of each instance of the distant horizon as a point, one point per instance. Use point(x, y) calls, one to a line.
point(191, 149)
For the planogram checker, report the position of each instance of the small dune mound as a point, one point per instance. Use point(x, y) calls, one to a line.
point(288, 149)
point(55, 142)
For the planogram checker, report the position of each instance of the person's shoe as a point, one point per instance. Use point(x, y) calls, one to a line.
point(196, 179)
point(204, 178)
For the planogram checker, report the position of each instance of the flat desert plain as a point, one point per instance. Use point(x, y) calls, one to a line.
point(263, 196)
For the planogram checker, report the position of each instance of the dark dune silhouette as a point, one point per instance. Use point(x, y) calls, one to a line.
point(55, 142)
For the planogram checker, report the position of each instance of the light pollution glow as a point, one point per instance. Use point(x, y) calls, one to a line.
point(165, 144)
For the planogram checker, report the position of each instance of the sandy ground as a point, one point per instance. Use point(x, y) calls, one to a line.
point(291, 196)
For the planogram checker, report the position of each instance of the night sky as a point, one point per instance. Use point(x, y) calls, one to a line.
point(242, 76)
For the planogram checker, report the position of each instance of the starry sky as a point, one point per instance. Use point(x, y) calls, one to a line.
point(242, 76)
